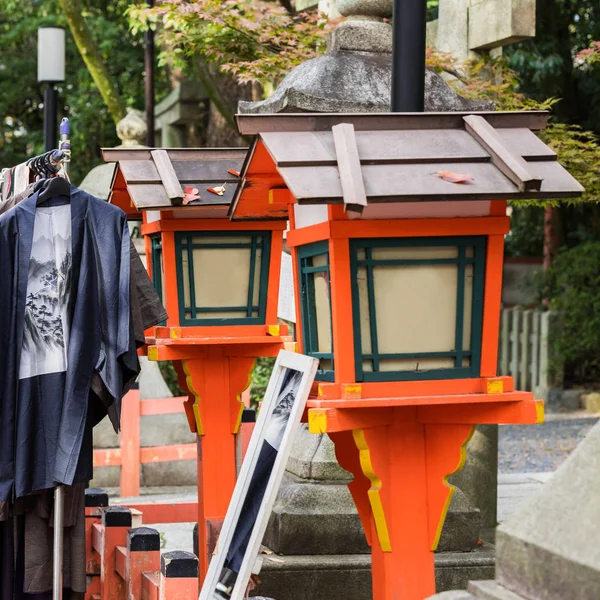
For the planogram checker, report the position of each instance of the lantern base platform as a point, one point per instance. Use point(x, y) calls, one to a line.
point(251, 341)
point(401, 452)
point(348, 577)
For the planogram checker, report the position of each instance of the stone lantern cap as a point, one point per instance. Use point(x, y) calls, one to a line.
point(157, 179)
point(362, 159)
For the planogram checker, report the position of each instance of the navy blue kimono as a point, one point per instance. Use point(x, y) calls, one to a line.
point(44, 414)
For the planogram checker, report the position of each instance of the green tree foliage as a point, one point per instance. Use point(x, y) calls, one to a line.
point(572, 286)
point(547, 65)
point(21, 98)
point(260, 379)
point(256, 41)
point(432, 9)
point(578, 150)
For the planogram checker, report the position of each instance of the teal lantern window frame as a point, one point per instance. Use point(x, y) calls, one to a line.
point(478, 243)
point(156, 251)
point(310, 335)
point(156, 254)
point(255, 313)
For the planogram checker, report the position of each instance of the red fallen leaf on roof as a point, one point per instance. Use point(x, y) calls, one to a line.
point(233, 172)
point(219, 191)
point(455, 177)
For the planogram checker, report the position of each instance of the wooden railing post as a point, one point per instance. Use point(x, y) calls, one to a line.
point(116, 521)
point(178, 576)
point(130, 444)
point(142, 555)
point(95, 501)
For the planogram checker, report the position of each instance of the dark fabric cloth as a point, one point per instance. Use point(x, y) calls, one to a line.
point(101, 339)
point(7, 560)
point(26, 559)
point(147, 309)
point(13, 200)
point(38, 542)
point(251, 507)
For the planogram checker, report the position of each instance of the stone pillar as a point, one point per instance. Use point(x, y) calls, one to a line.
point(478, 479)
point(314, 525)
point(466, 28)
point(180, 117)
point(549, 547)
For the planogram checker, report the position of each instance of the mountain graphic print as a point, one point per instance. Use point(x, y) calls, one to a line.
point(46, 330)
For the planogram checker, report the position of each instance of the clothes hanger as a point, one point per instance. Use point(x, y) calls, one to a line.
point(55, 186)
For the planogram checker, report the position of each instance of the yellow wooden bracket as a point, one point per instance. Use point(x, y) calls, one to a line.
point(539, 410)
point(495, 386)
point(152, 353)
point(461, 464)
point(317, 421)
point(351, 391)
point(190, 387)
point(274, 330)
point(236, 427)
point(374, 497)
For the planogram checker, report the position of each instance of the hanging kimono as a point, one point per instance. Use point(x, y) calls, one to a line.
point(65, 321)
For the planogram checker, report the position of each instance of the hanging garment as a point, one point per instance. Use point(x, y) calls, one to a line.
point(147, 309)
point(14, 181)
point(80, 290)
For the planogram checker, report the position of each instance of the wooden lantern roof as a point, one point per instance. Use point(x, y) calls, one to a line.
point(156, 179)
point(361, 159)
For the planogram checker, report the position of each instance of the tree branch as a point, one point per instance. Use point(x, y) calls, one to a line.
point(88, 48)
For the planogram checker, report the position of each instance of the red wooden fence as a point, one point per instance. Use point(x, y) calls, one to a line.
point(130, 456)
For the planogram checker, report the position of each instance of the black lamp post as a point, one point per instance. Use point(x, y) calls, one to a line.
point(408, 56)
point(149, 81)
point(51, 70)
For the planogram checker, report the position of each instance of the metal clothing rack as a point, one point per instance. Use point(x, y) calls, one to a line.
point(56, 163)
point(59, 490)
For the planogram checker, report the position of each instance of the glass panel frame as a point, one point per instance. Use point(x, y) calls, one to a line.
point(190, 313)
point(158, 279)
point(470, 258)
point(307, 269)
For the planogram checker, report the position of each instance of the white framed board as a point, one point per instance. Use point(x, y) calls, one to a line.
point(236, 556)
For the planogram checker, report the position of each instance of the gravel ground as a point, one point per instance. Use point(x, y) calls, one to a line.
point(540, 448)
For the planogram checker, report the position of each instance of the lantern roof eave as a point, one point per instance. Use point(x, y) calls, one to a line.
point(362, 159)
point(157, 178)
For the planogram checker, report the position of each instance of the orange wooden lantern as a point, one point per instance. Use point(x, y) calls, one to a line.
point(219, 282)
point(397, 226)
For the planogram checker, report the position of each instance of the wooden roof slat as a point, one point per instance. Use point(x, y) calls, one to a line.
point(526, 144)
point(507, 161)
point(260, 124)
point(188, 171)
point(139, 171)
point(168, 176)
point(148, 196)
point(348, 162)
point(175, 154)
point(404, 146)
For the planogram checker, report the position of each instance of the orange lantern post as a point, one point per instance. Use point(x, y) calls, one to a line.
point(219, 282)
point(397, 226)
